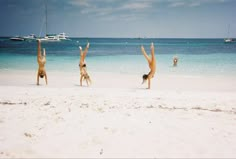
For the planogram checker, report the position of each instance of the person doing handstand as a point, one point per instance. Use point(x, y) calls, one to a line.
point(151, 63)
point(82, 65)
point(41, 62)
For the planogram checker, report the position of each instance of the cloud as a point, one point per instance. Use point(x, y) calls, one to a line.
point(193, 3)
point(115, 5)
point(111, 9)
point(124, 8)
point(136, 5)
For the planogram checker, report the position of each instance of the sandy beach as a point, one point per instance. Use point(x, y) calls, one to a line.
point(181, 116)
point(188, 46)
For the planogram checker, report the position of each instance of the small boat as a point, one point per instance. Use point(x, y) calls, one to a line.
point(55, 37)
point(30, 37)
point(17, 38)
point(50, 38)
point(62, 36)
point(229, 40)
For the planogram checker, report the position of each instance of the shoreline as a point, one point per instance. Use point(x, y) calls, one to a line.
point(174, 82)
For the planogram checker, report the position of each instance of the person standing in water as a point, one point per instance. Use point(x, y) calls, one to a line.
point(41, 61)
point(175, 61)
point(83, 67)
point(152, 65)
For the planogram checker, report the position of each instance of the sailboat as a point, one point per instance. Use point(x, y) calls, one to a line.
point(52, 37)
point(228, 40)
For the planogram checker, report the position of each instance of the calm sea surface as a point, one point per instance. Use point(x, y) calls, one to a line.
point(123, 55)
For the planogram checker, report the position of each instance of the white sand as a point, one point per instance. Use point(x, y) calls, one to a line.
point(181, 116)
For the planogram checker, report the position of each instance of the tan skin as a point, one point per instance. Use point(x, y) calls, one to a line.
point(151, 63)
point(83, 70)
point(41, 61)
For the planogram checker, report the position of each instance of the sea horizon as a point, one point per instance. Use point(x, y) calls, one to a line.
point(131, 37)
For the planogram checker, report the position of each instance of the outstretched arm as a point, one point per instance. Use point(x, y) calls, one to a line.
point(38, 78)
point(81, 80)
point(46, 78)
point(145, 54)
point(149, 83)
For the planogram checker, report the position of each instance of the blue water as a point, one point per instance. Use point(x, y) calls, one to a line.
point(123, 55)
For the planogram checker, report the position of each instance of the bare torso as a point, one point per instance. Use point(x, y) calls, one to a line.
point(41, 62)
point(152, 66)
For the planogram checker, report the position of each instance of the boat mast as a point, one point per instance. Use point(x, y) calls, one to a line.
point(228, 29)
point(46, 14)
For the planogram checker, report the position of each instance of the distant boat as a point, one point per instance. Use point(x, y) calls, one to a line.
point(62, 36)
point(30, 37)
point(50, 38)
point(17, 38)
point(55, 37)
point(228, 40)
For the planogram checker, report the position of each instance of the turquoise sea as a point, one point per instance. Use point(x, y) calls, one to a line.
point(123, 55)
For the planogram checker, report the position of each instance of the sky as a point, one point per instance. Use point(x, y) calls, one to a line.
point(120, 18)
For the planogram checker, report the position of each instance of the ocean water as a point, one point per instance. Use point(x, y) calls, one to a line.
point(123, 55)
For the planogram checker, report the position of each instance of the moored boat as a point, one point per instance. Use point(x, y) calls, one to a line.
point(17, 38)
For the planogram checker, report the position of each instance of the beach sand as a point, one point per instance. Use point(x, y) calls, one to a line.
point(181, 116)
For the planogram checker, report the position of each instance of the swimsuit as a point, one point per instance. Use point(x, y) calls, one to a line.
point(84, 65)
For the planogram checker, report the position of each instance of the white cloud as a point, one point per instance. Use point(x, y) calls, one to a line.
point(117, 8)
point(193, 3)
point(137, 5)
point(110, 9)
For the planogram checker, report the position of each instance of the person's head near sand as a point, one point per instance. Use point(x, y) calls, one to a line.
point(175, 60)
point(41, 62)
point(83, 67)
point(151, 63)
